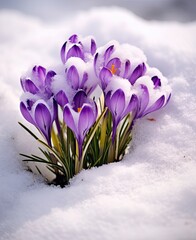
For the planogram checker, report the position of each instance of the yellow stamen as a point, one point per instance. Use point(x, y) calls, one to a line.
point(79, 109)
point(113, 69)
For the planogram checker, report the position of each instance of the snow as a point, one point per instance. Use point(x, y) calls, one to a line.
point(151, 194)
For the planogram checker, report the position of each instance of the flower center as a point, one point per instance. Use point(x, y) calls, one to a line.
point(113, 69)
point(79, 109)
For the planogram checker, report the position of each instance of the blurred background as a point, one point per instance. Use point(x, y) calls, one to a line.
point(54, 10)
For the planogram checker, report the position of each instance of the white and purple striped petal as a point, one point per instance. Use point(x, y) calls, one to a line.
point(61, 98)
point(137, 73)
point(43, 120)
point(29, 86)
point(73, 77)
point(105, 77)
point(26, 113)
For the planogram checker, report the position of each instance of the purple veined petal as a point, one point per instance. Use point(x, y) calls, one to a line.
point(132, 106)
point(93, 46)
point(108, 53)
point(156, 81)
point(48, 81)
point(107, 99)
point(56, 116)
point(114, 65)
point(127, 69)
point(86, 120)
point(84, 79)
point(49, 76)
point(26, 113)
point(105, 76)
point(61, 98)
point(117, 104)
point(95, 63)
point(143, 101)
point(69, 120)
point(138, 72)
point(73, 38)
point(75, 51)
point(79, 99)
point(43, 119)
point(63, 52)
point(55, 110)
point(73, 77)
point(29, 86)
point(41, 73)
point(168, 99)
point(22, 84)
point(157, 105)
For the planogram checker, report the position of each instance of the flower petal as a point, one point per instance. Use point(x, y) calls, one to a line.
point(132, 106)
point(127, 69)
point(49, 76)
point(73, 77)
point(29, 86)
point(143, 100)
point(157, 105)
point(43, 119)
point(117, 103)
point(48, 82)
point(84, 79)
point(69, 120)
point(105, 76)
point(156, 81)
point(93, 46)
point(138, 72)
point(75, 51)
point(168, 99)
point(114, 65)
point(73, 38)
point(79, 99)
point(61, 98)
point(41, 73)
point(108, 53)
point(86, 120)
point(95, 63)
point(63, 51)
point(26, 113)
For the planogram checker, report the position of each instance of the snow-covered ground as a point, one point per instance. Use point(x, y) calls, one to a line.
point(151, 194)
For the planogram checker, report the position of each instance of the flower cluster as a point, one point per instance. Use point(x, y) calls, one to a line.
point(86, 107)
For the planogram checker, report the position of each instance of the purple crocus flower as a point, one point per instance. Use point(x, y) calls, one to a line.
point(151, 95)
point(83, 48)
point(40, 114)
point(76, 75)
point(125, 61)
point(80, 116)
point(121, 100)
point(38, 82)
point(79, 75)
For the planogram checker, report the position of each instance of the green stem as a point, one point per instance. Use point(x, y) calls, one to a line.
point(103, 134)
point(117, 144)
point(77, 162)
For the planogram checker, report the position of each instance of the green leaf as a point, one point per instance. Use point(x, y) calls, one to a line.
point(29, 131)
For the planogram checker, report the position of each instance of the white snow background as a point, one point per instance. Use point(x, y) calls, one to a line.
point(151, 194)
